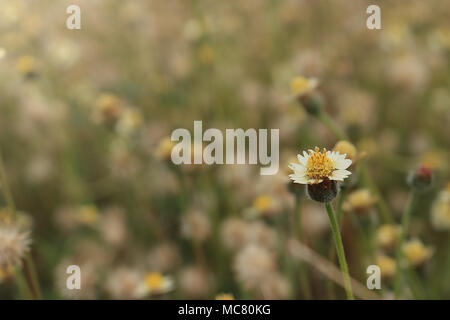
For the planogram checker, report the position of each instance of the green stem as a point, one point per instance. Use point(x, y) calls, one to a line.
point(22, 284)
point(405, 222)
point(381, 204)
point(31, 281)
point(340, 251)
point(5, 187)
point(332, 126)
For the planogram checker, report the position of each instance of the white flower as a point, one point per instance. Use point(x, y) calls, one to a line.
point(155, 284)
point(315, 166)
point(301, 86)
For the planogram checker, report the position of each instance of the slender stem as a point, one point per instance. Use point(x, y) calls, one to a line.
point(340, 251)
point(332, 126)
point(5, 187)
point(22, 284)
point(31, 281)
point(405, 222)
point(382, 206)
point(340, 202)
point(303, 272)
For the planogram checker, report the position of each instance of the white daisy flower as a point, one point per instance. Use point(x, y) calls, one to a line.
point(301, 86)
point(315, 166)
point(155, 284)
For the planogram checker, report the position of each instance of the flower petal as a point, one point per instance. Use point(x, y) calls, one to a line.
point(341, 164)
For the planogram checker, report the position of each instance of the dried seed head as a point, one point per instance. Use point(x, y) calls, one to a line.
point(14, 243)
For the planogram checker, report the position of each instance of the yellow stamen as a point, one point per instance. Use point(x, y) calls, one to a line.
point(154, 280)
point(319, 166)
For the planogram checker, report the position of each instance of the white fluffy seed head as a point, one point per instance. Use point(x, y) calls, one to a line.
point(14, 243)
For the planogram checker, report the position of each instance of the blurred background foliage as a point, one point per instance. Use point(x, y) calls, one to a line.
point(86, 116)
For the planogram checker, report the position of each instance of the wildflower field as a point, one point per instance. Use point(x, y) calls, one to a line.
point(359, 207)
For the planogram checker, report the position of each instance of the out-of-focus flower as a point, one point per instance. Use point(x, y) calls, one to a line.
point(2, 53)
point(360, 201)
point(122, 283)
point(154, 283)
point(387, 235)
point(346, 148)
point(224, 296)
point(387, 266)
point(420, 179)
point(206, 54)
point(274, 287)
point(164, 149)
point(113, 227)
point(408, 72)
point(87, 214)
point(14, 244)
point(416, 253)
point(301, 86)
point(234, 233)
point(265, 205)
point(26, 65)
point(195, 282)
point(193, 30)
point(196, 226)
point(164, 257)
point(253, 264)
point(440, 213)
point(107, 109)
point(130, 120)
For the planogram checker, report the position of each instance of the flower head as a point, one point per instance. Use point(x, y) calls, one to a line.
point(360, 201)
point(387, 266)
point(316, 166)
point(440, 213)
point(225, 296)
point(301, 86)
point(154, 284)
point(387, 235)
point(416, 252)
point(14, 243)
point(26, 65)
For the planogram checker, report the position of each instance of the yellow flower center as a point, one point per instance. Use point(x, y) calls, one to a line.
point(319, 166)
point(154, 280)
point(299, 84)
point(262, 203)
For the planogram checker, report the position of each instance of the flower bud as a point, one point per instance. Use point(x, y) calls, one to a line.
point(323, 192)
point(312, 102)
point(347, 148)
point(420, 180)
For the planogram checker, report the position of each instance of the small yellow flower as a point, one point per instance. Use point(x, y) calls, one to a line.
point(154, 284)
point(108, 108)
point(387, 266)
point(360, 201)
point(416, 253)
point(315, 166)
point(26, 65)
point(387, 235)
point(206, 54)
point(2, 53)
point(440, 212)
point(129, 121)
point(225, 296)
point(263, 203)
point(301, 86)
point(164, 149)
point(346, 148)
point(88, 214)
